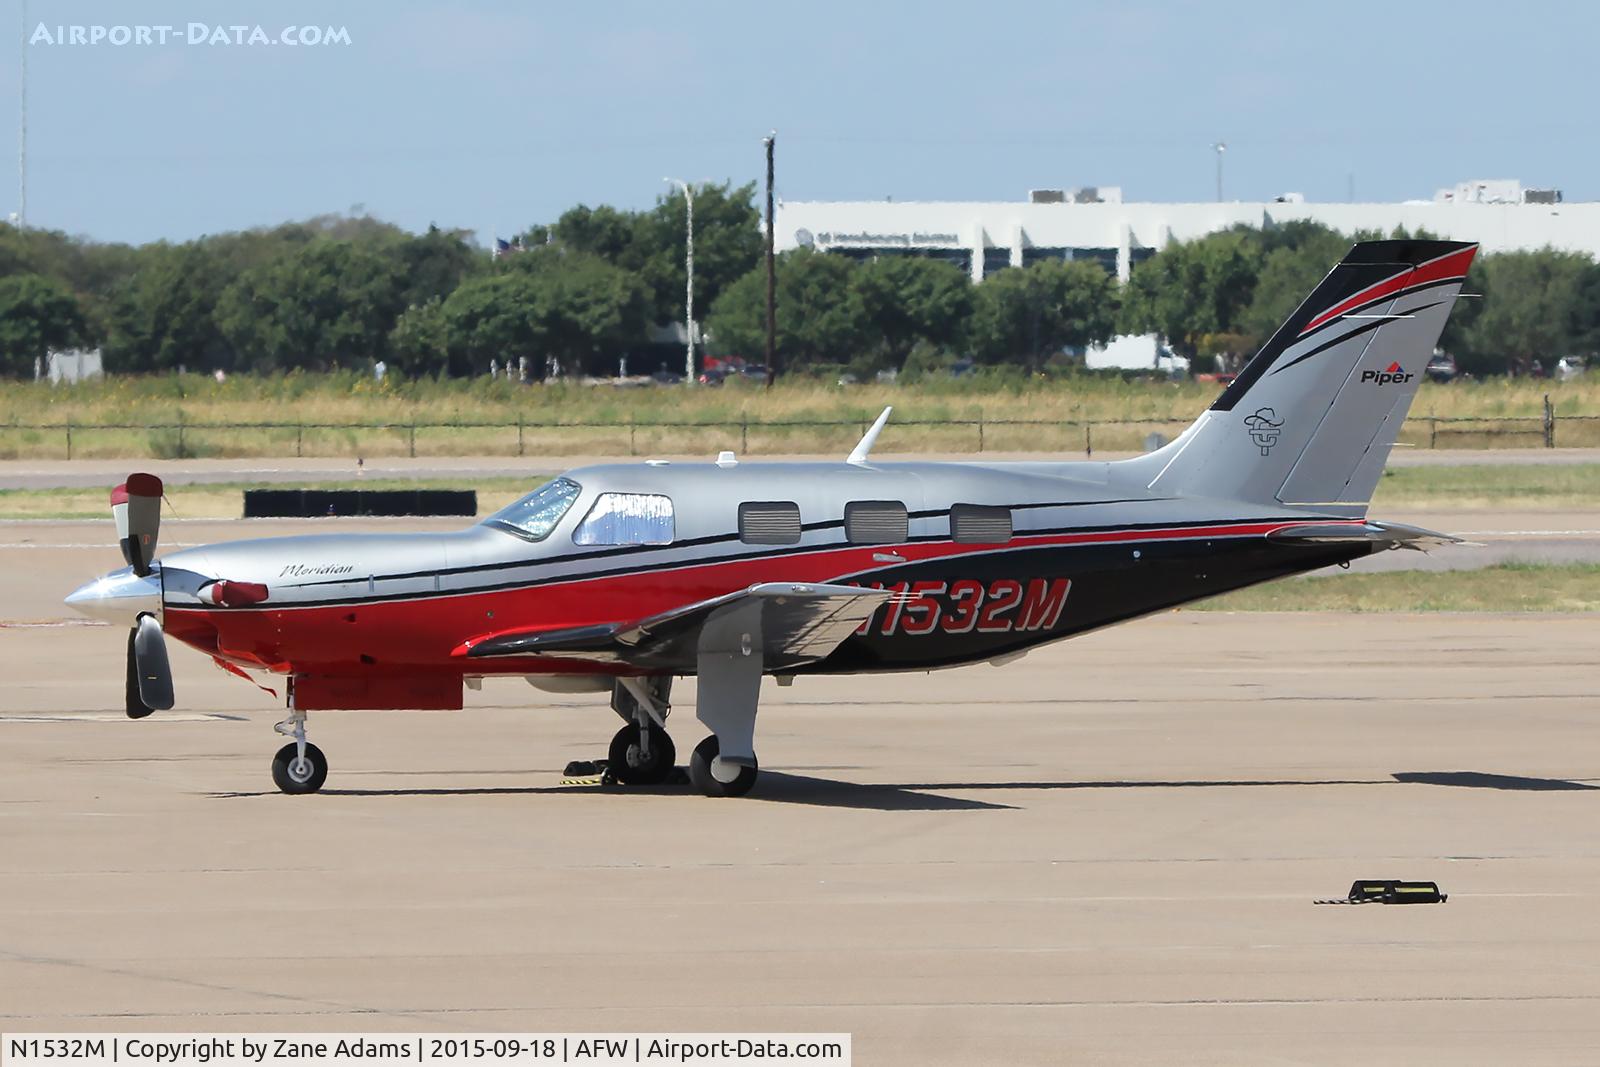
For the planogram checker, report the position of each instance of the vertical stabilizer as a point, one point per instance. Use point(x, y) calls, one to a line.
point(1313, 415)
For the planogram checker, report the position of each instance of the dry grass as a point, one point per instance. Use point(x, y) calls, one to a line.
point(251, 416)
point(1507, 587)
point(1502, 488)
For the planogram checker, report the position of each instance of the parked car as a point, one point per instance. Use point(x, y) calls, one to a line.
point(1442, 367)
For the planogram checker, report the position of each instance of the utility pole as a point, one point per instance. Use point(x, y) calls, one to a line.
point(688, 269)
point(1219, 147)
point(772, 300)
point(22, 130)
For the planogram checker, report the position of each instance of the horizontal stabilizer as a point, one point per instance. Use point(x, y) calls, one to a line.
point(1390, 534)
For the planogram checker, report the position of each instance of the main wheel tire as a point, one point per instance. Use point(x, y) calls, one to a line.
point(292, 775)
point(700, 772)
point(627, 767)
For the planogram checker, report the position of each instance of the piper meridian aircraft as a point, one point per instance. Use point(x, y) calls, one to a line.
point(620, 577)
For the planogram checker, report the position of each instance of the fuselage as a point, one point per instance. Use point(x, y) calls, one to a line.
point(1083, 551)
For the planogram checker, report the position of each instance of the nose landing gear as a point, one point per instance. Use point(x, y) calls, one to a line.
point(300, 766)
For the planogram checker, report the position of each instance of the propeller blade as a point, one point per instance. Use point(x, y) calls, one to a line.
point(152, 673)
point(136, 507)
point(135, 707)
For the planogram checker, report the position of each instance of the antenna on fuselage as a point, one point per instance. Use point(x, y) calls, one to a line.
point(863, 448)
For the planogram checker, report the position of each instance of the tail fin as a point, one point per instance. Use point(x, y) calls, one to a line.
point(1312, 417)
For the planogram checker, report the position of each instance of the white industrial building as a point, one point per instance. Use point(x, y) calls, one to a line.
point(1096, 223)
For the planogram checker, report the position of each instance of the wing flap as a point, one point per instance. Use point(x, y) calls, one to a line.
point(799, 623)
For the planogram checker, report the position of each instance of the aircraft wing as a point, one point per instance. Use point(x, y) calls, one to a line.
point(789, 623)
point(1390, 534)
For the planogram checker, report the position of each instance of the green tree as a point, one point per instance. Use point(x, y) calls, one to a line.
point(820, 320)
point(435, 263)
point(420, 341)
point(564, 311)
point(1289, 273)
point(1585, 325)
point(1028, 314)
point(164, 314)
point(1196, 292)
point(1531, 312)
point(37, 315)
point(908, 299)
point(324, 304)
point(728, 244)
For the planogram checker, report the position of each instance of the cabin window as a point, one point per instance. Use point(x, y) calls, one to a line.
point(535, 515)
point(627, 519)
point(975, 524)
point(769, 522)
point(876, 522)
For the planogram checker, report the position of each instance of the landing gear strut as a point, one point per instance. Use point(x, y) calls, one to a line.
point(300, 766)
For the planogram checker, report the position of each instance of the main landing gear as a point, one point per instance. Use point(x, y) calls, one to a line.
point(642, 753)
point(300, 766)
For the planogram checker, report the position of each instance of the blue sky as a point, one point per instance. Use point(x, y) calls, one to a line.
point(492, 116)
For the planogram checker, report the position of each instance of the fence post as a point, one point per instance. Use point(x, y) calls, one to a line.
point(633, 420)
point(1433, 433)
point(980, 429)
point(1088, 439)
point(413, 447)
point(744, 434)
point(1549, 423)
point(181, 453)
point(299, 439)
point(519, 433)
point(69, 436)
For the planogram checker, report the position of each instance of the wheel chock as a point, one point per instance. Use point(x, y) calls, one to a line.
point(1382, 891)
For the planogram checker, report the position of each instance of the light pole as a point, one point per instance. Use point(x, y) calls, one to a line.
point(1220, 147)
point(688, 269)
point(22, 130)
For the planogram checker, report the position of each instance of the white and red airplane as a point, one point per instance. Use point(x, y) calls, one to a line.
point(618, 578)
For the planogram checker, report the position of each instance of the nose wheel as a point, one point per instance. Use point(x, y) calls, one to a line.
point(296, 773)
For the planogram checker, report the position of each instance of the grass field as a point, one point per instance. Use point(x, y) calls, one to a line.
point(1507, 587)
point(1500, 487)
point(335, 415)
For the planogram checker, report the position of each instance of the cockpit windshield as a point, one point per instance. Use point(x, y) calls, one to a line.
point(535, 515)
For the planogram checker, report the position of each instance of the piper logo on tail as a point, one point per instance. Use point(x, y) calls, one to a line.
point(1396, 374)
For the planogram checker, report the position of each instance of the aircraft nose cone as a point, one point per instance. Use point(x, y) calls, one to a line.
point(118, 597)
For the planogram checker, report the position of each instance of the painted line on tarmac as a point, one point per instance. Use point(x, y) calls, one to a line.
point(50, 624)
point(1529, 533)
point(75, 545)
point(120, 717)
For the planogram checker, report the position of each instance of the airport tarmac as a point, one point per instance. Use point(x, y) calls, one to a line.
point(1104, 853)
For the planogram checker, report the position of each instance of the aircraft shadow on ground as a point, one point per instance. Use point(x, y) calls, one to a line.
point(1481, 780)
point(783, 788)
